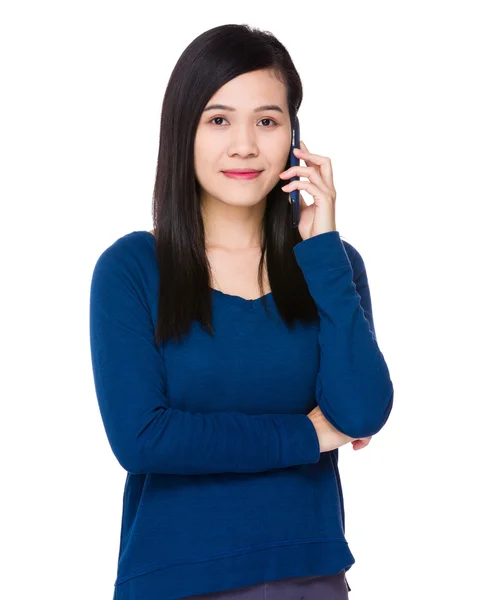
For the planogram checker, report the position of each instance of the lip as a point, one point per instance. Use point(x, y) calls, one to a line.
point(242, 174)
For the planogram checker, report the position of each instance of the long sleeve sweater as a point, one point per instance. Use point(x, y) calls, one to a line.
point(227, 485)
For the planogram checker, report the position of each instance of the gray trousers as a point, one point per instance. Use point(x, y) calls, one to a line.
point(325, 587)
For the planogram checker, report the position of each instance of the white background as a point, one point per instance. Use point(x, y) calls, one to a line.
point(391, 95)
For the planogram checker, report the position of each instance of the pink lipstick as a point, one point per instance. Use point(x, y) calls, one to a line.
point(242, 174)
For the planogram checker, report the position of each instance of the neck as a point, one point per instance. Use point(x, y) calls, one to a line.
point(235, 228)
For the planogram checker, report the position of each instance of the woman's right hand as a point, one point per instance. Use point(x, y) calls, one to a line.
point(329, 437)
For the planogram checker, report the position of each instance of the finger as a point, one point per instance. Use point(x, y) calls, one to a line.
point(316, 183)
point(317, 160)
point(311, 173)
point(304, 154)
point(313, 158)
point(359, 444)
point(316, 191)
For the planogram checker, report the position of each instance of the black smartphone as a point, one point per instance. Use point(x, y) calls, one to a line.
point(294, 161)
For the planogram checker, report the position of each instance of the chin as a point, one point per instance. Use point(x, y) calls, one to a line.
point(241, 200)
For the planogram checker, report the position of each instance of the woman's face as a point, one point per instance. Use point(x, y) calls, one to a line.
point(243, 138)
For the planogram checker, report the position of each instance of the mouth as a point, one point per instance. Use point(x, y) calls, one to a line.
point(247, 174)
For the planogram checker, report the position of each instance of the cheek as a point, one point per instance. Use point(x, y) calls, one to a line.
point(202, 156)
point(282, 162)
point(207, 154)
point(282, 153)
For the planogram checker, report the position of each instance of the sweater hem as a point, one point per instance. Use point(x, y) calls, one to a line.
point(240, 568)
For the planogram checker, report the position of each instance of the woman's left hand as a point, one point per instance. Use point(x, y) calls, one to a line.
point(361, 443)
point(319, 217)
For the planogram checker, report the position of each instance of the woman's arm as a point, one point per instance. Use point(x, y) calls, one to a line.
point(353, 389)
point(145, 433)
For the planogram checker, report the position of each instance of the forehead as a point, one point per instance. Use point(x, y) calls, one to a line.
point(250, 90)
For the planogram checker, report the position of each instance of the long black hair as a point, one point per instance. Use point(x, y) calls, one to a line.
point(211, 60)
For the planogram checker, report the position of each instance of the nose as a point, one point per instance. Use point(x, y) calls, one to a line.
point(243, 142)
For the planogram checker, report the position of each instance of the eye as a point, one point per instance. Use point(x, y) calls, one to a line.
point(217, 119)
point(265, 119)
point(268, 119)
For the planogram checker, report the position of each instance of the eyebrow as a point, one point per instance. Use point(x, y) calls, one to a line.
point(230, 108)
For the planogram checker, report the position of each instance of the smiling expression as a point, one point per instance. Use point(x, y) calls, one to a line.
point(256, 134)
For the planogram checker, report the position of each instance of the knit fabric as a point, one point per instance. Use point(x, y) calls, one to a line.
point(227, 485)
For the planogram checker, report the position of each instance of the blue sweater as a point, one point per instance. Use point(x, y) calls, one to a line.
point(226, 483)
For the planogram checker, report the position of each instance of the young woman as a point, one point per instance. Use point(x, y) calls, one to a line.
point(233, 354)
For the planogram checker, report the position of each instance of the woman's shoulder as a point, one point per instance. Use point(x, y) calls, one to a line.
point(129, 262)
point(133, 252)
point(129, 244)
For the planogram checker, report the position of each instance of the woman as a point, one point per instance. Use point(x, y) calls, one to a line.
point(225, 388)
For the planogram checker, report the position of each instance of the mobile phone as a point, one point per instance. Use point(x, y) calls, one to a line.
point(294, 161)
